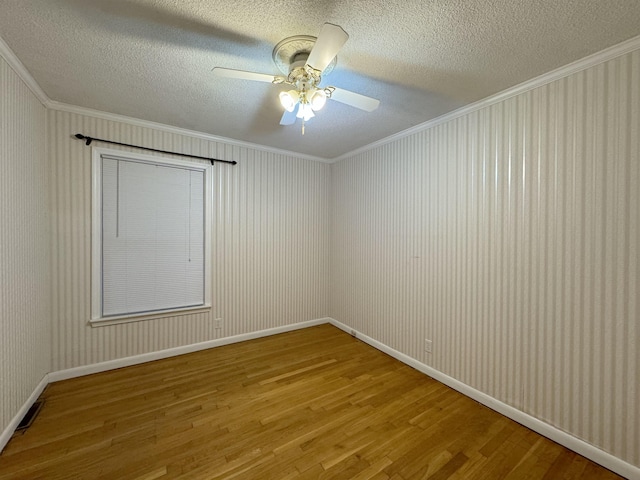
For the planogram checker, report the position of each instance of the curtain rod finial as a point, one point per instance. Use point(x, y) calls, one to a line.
point(79, 136)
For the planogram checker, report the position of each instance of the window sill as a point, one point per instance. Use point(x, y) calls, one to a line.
point(105, 322)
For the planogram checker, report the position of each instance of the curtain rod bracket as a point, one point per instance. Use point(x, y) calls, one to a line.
point(88, 141)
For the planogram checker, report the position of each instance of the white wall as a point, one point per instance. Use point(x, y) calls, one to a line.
point(24, 245)
point(509, 236)
point(270, 243)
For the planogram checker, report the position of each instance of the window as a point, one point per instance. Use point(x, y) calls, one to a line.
point(150, 235)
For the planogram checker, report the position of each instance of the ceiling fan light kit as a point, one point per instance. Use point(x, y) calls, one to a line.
point(304, 59)
point(316, 98)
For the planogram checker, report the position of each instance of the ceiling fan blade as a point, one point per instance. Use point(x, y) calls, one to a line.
point(244, 75)
point(355, 99)
point(289, 118)
point(329, 42)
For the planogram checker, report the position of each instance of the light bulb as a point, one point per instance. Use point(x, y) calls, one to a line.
point(289, 99)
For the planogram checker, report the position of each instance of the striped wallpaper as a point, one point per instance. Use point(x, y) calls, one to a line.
point(24, 245)
point(509, 237)
point(270, 244)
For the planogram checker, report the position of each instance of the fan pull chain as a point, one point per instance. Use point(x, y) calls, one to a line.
point(303, 126)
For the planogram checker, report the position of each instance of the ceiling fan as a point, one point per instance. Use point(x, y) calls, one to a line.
point(303, 60)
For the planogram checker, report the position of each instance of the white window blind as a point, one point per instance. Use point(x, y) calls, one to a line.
point(152, 236)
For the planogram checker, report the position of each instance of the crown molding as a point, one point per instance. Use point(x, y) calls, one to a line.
point(17, 66)
point(65, 107)
point(544, 79)
point(579, 65)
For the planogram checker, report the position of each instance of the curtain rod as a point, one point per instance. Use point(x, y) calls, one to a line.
point(88, 141)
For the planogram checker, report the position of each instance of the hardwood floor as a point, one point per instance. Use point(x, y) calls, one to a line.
point(309, 404)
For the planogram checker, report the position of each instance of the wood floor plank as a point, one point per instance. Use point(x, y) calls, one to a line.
point(308, 404)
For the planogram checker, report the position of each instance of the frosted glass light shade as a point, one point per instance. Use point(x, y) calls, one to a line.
point(305, 111)
point(289, 99)
point(318, 99)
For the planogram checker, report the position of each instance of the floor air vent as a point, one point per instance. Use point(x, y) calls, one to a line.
point(30, 416)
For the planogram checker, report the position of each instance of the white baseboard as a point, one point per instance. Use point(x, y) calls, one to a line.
point(563, 438)
point(7, 433)
point(172, 352)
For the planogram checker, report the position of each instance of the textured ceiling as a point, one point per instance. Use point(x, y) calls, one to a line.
point(152, 59)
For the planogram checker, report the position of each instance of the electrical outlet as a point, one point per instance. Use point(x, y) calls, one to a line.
point(428, 345)
point(217, 323)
